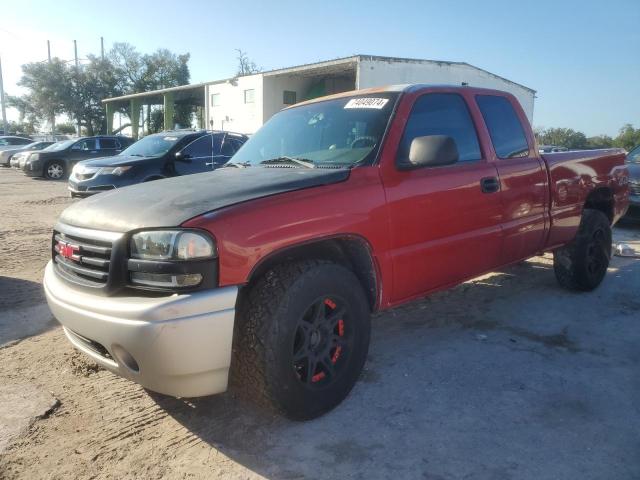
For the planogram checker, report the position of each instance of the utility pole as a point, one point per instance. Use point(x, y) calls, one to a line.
point(53, 115)
point(102, 47)
point(5, 125)
point(75, 52)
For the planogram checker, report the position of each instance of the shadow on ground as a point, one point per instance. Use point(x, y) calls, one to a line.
point(484, 381)
point(23, 310)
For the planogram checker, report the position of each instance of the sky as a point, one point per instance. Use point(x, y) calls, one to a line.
point(582, 57)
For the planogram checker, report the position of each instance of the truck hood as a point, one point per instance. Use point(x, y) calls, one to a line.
point(173, 201)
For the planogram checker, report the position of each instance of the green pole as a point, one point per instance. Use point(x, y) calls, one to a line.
point(109, 112)
point(135, 117)
point(168, 111)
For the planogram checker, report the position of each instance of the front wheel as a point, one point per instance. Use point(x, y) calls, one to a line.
point(54, 170)
point(582, 264)
point(302, 337)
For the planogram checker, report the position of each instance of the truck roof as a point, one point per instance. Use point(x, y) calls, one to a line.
point(404, 88)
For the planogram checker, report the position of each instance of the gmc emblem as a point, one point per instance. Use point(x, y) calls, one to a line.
point(66, 250)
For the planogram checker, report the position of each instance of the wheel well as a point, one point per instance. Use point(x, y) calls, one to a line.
point(601, 199)
point(352, 252)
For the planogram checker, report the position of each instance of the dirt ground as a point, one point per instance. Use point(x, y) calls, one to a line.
point(504, 377)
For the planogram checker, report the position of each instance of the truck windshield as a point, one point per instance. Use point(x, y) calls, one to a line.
point(332, 133)
point(152, 145)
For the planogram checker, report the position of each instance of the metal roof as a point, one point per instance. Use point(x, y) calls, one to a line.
point(301, 69)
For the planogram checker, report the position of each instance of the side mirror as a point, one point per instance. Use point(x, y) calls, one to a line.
point(183, 157)
point(432, 151)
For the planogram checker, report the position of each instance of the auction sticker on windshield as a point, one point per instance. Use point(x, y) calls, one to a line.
point(377, 103)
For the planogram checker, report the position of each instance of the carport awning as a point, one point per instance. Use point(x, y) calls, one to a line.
point(182, 95)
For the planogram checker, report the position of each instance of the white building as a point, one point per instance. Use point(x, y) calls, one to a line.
point(243, 104)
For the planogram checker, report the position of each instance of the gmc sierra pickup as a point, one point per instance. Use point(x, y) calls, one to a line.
point(270, 268)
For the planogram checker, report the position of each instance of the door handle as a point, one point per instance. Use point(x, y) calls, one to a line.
point(490, 185)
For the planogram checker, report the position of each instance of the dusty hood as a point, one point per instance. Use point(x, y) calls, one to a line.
point(171, 202)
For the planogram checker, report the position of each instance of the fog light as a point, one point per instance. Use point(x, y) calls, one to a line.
point(166, 279)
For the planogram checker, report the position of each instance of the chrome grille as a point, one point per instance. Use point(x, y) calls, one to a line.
point(634, 188)
point(80, 259)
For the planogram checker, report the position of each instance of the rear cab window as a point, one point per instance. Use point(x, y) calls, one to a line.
point(505, 129)
point(441, 114)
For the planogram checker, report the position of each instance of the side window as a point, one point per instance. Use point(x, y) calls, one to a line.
point(441, 114)
point(230, 147)
point(505, 129)
point(108, 144)
point(199, 148)
point(88, 144)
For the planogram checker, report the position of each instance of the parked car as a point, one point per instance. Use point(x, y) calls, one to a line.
point(56, 161)
point(551, 149)
point(335, 208)
point(7, 155)
point(162, 155)
point(633, 163)
point(8, 142)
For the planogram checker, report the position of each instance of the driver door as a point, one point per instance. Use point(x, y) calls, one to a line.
point(196, 157)
point(82, 150)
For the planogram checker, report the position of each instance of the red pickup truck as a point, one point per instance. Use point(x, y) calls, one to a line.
point(270, 268)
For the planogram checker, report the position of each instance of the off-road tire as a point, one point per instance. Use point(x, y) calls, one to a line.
point(582, 264)
point(268, 325)
point(49, 167)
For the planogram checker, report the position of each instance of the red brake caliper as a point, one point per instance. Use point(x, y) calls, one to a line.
point(336, 354)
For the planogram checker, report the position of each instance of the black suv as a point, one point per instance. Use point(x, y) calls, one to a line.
point(161, 155)
point(57, 160)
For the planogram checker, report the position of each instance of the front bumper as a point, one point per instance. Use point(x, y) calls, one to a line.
point(33, 168)
point(178, 345)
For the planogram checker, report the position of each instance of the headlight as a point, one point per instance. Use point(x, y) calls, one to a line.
point(172, 245)
point(34, 156)
point(169, 259)
point(114, 170)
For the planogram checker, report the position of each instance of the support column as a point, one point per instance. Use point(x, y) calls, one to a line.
point(168, 111)
point(135, 117)
point(109, 110)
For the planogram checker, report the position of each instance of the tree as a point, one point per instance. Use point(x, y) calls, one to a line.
point(56, 88)
point(66, 128)
point(245, 65)
point(600, 141)
point(628, 137)
point(563, 137)
point(49, 88)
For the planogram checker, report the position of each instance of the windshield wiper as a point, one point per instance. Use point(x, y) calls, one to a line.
point(136, 155)
point(284, 159)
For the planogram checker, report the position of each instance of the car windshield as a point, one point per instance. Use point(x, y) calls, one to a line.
point(634, 155)
point(152, 145)
point(59, 146)
point(331, 133)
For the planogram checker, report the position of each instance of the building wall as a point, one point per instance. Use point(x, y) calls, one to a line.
point(233, 113)
point(376, 73)
point(274, 87)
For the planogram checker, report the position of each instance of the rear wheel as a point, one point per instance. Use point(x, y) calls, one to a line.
point(302, 338)
point(582, 264)
point(54, 170)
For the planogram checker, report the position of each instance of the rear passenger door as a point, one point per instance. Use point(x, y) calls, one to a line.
point(444, 226)
point(524, 191)
point(195, 157)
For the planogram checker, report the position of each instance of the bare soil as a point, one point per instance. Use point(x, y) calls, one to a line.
point(506, 376)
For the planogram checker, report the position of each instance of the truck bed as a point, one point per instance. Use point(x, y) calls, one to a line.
point(577, 175)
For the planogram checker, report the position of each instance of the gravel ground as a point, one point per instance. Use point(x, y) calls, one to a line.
point(504, 377)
